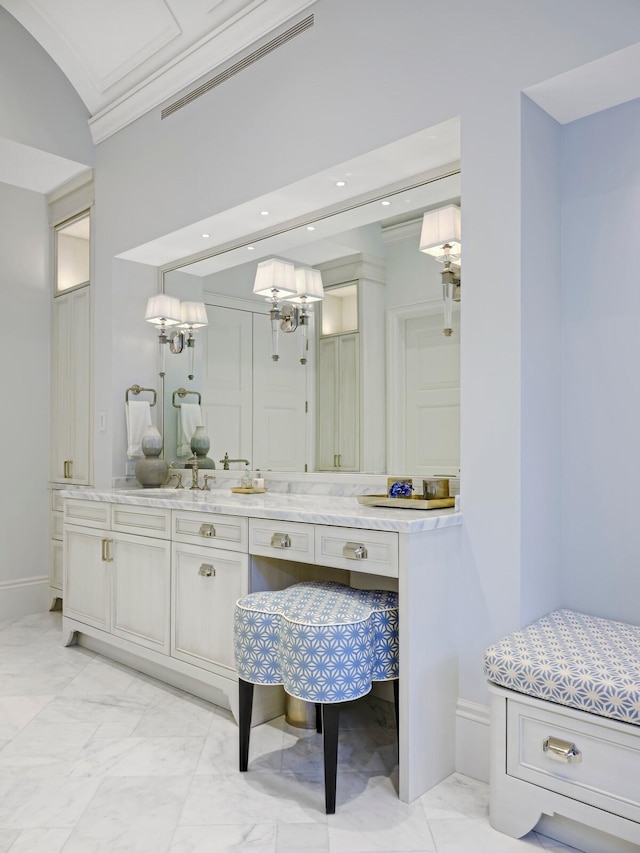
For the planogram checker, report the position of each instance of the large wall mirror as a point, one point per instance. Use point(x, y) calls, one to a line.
point(374, 386)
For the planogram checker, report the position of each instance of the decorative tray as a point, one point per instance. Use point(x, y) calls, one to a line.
point(249, 490)
point(414, 502)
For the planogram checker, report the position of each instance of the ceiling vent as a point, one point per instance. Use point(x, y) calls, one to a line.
point(248, 60)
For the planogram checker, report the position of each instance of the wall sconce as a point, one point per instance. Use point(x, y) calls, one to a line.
point(162, 311)
point(440, 238)
point(275, 280)
point(309, 289)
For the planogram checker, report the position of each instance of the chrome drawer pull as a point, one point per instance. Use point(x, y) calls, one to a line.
point(354, 551)
point(562, 750)
point(207, 530)
point(206, 570)
point(281, 540)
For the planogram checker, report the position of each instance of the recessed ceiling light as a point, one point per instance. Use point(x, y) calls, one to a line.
point(311, 227)
point(206, 235)
point(250, 248)
point(264, 213)
point(341, 183)
point(385, 203)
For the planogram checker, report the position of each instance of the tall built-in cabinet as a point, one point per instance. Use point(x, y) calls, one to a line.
point(351, 366)
point(71, 357)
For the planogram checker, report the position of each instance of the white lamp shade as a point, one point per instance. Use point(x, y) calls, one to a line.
point(193, 315)
point(275, 275)
point(163, 310)
point(440, 227)
point(308, 285)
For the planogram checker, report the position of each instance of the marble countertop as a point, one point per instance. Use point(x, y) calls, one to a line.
point(311, 509)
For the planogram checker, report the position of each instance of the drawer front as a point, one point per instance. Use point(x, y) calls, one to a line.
point(369, 551)
point(142, 520)
point(287, 540)
point(604, 774)
point(57, 525)
point(57, 500)
point(88, 514)
point(208, 528)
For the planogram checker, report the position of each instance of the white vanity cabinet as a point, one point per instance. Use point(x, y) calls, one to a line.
point(87, 580)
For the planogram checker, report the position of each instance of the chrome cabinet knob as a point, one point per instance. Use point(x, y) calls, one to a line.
point(206, 570)
point(207, 530)
point(354, 551)
point(281, 540)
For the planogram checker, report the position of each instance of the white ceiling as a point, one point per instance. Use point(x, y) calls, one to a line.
point(125, 57)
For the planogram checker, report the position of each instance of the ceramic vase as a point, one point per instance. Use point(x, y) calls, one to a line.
point(151, 471)
point(200, 447)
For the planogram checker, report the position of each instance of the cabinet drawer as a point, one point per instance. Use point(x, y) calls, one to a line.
point(57, 525)
point(288, 540)
point(369, 551)
point(88, 513)
point(208, 528)
point(606, 776)
point(57, 500)
point(143, 520)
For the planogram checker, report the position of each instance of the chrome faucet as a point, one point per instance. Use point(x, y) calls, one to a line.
point(194, 472)
point(226, 460)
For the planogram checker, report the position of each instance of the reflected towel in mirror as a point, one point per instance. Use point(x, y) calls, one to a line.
point(189, 417)
point(138, 415)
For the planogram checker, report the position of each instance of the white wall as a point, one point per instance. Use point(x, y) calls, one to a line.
point(25, 293)
point(368, 73)
point(600, 358)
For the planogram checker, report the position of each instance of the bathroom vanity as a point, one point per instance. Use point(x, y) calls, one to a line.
point(151, 578)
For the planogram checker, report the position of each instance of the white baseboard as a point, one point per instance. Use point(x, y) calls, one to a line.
point(22, 596)
point(472, 739)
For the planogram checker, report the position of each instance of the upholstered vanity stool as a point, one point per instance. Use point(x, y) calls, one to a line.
point(325, 643)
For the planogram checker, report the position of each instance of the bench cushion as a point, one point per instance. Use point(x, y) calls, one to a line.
point(325, 642)
point(572, 659)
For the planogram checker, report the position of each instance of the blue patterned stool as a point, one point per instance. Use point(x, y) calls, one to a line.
point(325, 643)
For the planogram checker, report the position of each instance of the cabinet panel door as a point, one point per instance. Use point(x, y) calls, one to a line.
point(206, 583)
point(349, 403)
point(56, 564)
point(327, 379)
point(227, 383)
point(279, 396)
point(141, 589)
point(86, 577)
point(71, 388)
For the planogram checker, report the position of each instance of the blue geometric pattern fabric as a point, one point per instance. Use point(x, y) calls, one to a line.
point(325, 642)
point(572, 659)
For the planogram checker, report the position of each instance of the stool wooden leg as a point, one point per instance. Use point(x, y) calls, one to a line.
point(245, 702)
point(318, 718)
point(330, 726)
point(396, 701)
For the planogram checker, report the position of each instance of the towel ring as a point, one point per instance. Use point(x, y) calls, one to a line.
point(138, 389)
point(182, 392)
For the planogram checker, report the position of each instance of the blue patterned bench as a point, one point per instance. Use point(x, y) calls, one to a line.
point(565, 726)
point(325, 643)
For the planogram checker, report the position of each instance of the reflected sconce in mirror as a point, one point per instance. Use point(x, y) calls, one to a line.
point(163, 311)
point(276, 280)
point(309, 289)
point(441, 238)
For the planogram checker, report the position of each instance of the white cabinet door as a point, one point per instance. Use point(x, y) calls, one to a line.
point(279, 397)
point(141, 588)
point(87, 576)
point(227, 402)
point(432, 418)
point(339, 403)
point(56, 565)
point(206, 583)
point(71, 388)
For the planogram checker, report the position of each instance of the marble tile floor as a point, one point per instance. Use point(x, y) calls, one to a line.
point(97, 758)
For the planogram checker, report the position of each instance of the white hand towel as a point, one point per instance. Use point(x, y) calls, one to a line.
point(138, 414)
point(189, 417)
